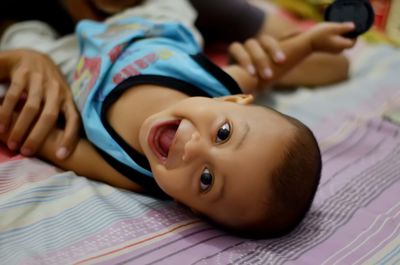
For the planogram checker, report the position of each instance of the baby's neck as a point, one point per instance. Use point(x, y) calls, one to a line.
point(129, 112)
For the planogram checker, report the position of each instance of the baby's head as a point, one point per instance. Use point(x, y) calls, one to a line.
point(248, 168)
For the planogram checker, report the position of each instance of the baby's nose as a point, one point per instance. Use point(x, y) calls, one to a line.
point(194, 148)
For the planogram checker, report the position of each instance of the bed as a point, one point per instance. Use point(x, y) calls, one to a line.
point(48, 216)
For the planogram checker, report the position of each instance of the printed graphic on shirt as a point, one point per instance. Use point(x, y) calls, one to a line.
point(136, 67)
point(85, 76)
point(116, 51)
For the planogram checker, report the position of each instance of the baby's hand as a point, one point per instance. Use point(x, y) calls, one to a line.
point(328, 37)
point(256, 55)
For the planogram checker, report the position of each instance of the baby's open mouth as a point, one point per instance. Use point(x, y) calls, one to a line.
point(161, 138)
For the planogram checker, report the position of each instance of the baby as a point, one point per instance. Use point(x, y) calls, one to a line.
point(160, 117)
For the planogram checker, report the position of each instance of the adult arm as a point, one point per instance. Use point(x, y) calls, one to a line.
point(47, 95)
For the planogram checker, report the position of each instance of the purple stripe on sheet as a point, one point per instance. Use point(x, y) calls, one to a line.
point(135, 253)
point(367, 227)
point(202, 248)
point(183, 248)
point(350, 141)
point(373, 144)
point(16, 173)
point(146, 225)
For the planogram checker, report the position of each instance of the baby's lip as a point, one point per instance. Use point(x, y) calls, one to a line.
point(154, 139)
point(177, 148)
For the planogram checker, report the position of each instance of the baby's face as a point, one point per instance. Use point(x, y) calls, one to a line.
point(216, 156)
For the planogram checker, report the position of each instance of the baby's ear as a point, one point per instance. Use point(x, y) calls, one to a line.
point(244, 99)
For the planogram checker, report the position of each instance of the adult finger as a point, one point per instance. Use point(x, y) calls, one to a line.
point(28, 113)
point(13, 94)
point(239, 53)
point(46, 121)
point(271, 45)
point(259, 57)
point(71, 132)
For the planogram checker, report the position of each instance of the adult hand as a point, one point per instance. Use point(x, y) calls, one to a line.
point(47, 95)
point(256, 55)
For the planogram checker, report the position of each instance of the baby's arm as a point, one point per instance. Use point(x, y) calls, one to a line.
point(316, 69)
point(296, 49)
point(84, 160)
point(325, 37)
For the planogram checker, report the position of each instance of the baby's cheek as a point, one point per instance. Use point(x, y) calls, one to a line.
point(159, 176)
point(166, 181)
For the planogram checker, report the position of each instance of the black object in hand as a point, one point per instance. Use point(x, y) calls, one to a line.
point(358, 11)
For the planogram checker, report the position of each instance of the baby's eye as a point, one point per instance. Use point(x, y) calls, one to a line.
point(223, 133)
point(206, 180)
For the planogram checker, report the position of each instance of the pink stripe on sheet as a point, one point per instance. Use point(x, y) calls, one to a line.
point(16, 170)
point(153, 239)
point(369, 226)
point(363, 148)
point(184, 247)
point(378, 221)
point(126, 233)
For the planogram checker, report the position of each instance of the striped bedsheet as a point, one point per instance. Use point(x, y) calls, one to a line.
point(48, 216)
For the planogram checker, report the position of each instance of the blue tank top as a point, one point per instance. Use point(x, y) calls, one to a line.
point(129, 52)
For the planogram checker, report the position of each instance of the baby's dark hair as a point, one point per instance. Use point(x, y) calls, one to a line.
point(291, 188)
point(294, 182)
